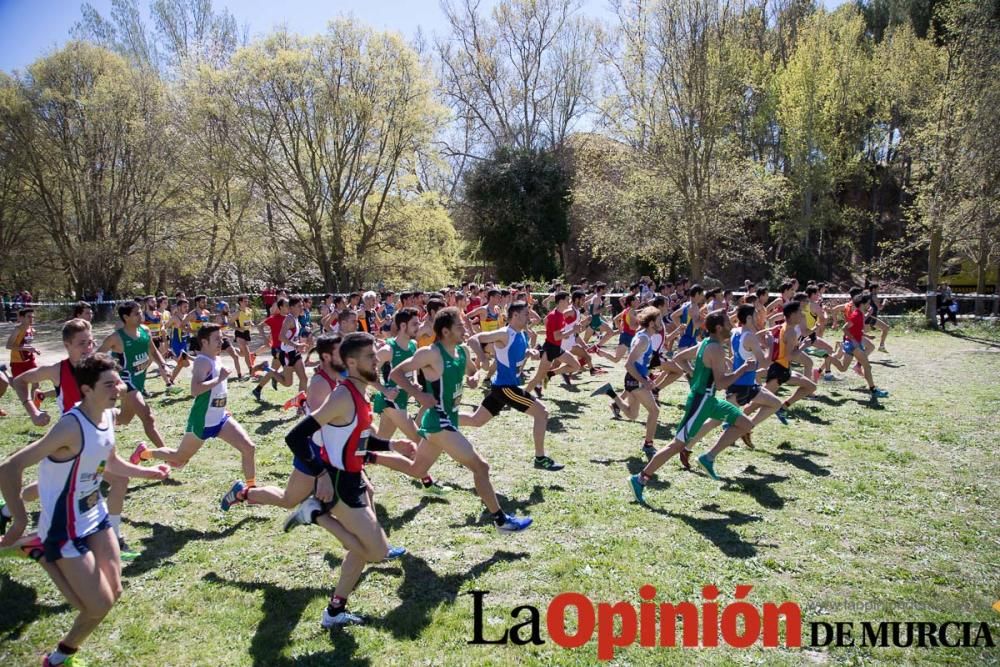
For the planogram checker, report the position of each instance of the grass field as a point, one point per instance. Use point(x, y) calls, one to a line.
point(856, 511)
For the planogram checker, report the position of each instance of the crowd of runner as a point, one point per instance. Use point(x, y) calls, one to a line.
point(367, 366)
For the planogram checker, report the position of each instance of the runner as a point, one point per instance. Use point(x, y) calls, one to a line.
point(345, 421)
point(179, 337)
point(510, 347)
point(393, 411)
point(872, 319)
point(710, 373)
point(76, 547)
point(853, 345)
point(554, 361)
point(290, 349)
point(242, 326)
point(21, 344)
point(444, 364)
point(788, 342)
point(638, 388)
point(689, 318)
point(208, 417)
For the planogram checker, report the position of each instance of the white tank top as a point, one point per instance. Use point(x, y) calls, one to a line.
point(567, 343)
point(72, 505)
point(286, 347)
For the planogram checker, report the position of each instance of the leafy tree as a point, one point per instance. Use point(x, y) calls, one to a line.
point(516, 204)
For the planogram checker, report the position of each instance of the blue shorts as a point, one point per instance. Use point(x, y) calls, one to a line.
point(625, 339)
point(178, 347)
point(301, 466)
point(686, 341)
point(213, 431)
point(73, 547)
point(849, 346)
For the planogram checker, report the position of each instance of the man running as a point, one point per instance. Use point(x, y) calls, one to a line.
point(445, 364)
point(780, 371)
point(209, 417)
point(638, 387)
point(854, 346)
point(710, 373)
point(553, 358)
point(74, 539)
point(510, 348)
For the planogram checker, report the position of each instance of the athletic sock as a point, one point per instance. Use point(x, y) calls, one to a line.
point(146, 455)
point(499, 517)
point(62, 652)
point(336, 606)
point(643, 478)
point(611, 394)
point(116, 522)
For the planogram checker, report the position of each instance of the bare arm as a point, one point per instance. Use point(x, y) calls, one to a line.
point(199, 369)
point(717, 362)
point(424, 358)
point(35, 376)
point(61, 442)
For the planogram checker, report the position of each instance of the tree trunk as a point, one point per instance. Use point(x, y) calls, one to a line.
point(982, 266)
point(996, 291)
point(933, 267)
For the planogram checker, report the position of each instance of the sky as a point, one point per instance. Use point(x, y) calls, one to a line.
point(31, 28)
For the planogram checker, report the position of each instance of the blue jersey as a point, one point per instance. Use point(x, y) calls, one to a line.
point(687, 338)
point(642, 365)
point(510, 358)
point(741, 353)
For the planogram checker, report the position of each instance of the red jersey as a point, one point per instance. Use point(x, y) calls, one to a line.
point(856, 319)
point(554, 321)
point(67, 391)
point(274, 323)
point(344, 447)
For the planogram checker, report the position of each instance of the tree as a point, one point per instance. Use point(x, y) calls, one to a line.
point(516, 205)
point(97, 154)
point(326, 127)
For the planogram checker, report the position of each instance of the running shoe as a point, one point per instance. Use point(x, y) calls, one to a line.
point(136, 457)
point(709, 466)
point(38, 398)
point(881, 348)
point(566, 381)
point(648, 449)
point(4, 518)
point(70, 661)
point(546, 463)
point(830, 377)
point(233, 496)
point(303, 514)
point(637, 488)
point(603, 389)
point(686, 459)
point(29, 546)
point(128, 555)
point(435, 488)
point(343, 618)
point(879, 393)
point(395, 552)
point(294, 401)
point(538, 391)
point(514, 524)
point(256, 393)
point(782, 416)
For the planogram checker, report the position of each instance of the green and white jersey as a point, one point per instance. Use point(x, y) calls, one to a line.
point(701, 377)
point(135, 360)
point(209, 410)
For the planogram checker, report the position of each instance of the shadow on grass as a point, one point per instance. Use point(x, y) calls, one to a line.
point(19, 608)
point(828, 400)
point(807, 414)
point(800, 458)
point(264, 428)
point(283, 608)
point(719, 531)
point(758, 486)
point(886, 363)
point(423, 590)
point(973, 339)
point(567, 409)
point(169, 481)
point(166, 541)
point(634, 464)
point(391, 523)
point(516, 506)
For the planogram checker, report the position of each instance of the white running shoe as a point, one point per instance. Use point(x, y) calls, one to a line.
point(343, 618)
point(303, 514)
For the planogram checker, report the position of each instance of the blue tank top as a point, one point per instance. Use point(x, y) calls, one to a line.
point(741, 353)
point(510, 358)
point(687, 338)
point(643, 363)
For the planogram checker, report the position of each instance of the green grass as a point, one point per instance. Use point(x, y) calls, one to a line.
point(857, 512)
